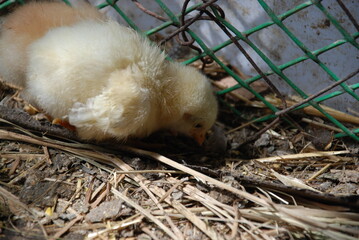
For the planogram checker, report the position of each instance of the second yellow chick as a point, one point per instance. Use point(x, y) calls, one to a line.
point(27, 24)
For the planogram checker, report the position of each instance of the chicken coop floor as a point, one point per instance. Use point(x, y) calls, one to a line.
point(287, 183)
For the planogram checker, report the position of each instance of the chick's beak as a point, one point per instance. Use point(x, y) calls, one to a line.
point(199, 137)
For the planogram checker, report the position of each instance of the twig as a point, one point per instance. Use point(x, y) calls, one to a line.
point(318, 93)
point(348, 13)
point(66, 228)
point(260, 132)
point(145, 10)
point(185, 25)
point(315, 123)
point(319, 172)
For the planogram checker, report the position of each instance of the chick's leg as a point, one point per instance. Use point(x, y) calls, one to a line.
point(63, 123)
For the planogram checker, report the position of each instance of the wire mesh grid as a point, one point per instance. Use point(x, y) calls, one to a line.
point(210, 11)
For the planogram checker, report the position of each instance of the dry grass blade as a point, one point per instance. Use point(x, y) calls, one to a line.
point(218, 208)
point(293, 182)
point(116, 227)
point(297, 216)
point(196, 221)
point(301, 155)
point(145, 213)
point(186, 213)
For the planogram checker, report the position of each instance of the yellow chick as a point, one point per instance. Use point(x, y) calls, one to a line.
point(101, 77)
point(30, 22)
point(108, 81)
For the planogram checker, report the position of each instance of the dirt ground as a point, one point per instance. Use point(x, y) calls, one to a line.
point(285, 184)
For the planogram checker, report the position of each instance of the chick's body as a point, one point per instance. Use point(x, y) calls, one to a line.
point(108, 81)
point(27, 24)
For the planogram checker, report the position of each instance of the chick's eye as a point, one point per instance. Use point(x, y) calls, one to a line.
point(198, 125)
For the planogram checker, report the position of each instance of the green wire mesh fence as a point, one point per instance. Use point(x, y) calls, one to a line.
point(210, 10)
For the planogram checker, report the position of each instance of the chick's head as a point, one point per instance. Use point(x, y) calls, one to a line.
point(197, 104)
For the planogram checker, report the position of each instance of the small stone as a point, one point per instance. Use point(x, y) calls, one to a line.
point(106, 210)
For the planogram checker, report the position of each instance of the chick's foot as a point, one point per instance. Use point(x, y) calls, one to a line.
point(64, 123)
